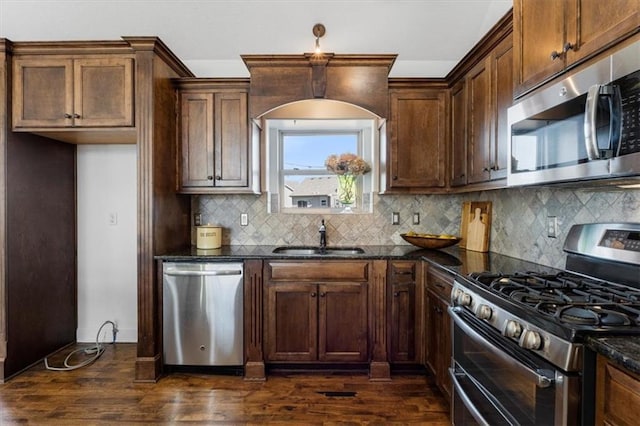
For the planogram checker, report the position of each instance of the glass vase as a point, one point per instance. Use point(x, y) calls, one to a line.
point(347, 191)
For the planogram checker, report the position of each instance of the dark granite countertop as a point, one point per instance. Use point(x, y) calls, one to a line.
point(454, 259)
point(623, 350)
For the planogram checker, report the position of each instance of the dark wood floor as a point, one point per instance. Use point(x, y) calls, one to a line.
point(104, 393)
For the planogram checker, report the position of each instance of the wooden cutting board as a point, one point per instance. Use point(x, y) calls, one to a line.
point(475, 226)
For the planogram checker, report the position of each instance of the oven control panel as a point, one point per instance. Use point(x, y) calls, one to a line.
point(621, 239)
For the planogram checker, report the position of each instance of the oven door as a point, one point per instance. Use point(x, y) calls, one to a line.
point(498, 383)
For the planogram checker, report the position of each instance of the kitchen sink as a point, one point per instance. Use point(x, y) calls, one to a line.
point(311, 251)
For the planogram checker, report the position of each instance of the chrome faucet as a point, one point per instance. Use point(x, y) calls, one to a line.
point(323, 236)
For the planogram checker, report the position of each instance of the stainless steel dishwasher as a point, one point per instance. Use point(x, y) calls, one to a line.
point(203, 314)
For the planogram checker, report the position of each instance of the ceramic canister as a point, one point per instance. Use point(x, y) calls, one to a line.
point(208, 237)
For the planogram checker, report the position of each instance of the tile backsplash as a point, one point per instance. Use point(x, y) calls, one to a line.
point(518, 225)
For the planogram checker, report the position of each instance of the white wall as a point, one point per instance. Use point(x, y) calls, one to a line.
point(107, 252)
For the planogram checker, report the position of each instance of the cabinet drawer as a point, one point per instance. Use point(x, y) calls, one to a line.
point(318, 271)
point(400, 272)
point(440, 282)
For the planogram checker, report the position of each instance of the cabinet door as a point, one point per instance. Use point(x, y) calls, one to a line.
point(403, 320)
point(196, 129)
point(418, 139)
point(479, 122)
point(502, 93)
point(458, 175)
point(594, 24)
point(42, 93)
point(538, 28)
point(342, 322)
point(231, 140)
point(291, 322)
point(103, 92)
point(434, 325)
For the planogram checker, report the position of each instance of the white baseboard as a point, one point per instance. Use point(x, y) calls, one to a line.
point(124, 335)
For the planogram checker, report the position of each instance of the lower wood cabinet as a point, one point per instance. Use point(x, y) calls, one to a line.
point(403, 281)
point(316, 311)
point(617, 395)
point(438, 327)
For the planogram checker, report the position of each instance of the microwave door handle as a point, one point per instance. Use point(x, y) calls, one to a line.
point(590, 111)
point(541, 380)
point(616, 120)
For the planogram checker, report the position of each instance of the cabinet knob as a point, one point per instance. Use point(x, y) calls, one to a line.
point(218, 177)
point(462, 175)
point(209, 177)
point(76, 115)
point(322, 294)
point(313, 294)
point(396, 294)
point(68, 116)
point(486, 170)
point(395, 178)
point(554, 55)
point(568, 46)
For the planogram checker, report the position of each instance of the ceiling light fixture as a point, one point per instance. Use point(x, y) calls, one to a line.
point(318, 31)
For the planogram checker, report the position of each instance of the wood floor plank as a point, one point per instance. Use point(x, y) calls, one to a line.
point(104, 393)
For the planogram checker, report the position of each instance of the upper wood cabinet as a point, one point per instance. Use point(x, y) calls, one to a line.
point(458, 163)
point(551, 35)
point(64, 92)
point(213, 140)
point(418, 138)
point(480, 134)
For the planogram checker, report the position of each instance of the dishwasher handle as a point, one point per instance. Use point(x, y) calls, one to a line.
point(179, 273)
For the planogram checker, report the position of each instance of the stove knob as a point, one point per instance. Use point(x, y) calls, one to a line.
point(513, 329)
point(531, 340)
point(484, 312)
point(463, 299)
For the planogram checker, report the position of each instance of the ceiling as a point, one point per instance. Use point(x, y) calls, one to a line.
point(429, 36)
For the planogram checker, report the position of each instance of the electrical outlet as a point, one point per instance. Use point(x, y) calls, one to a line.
point(416, 218)
point(552, 226)
point(244, 219)
point(112, 218)
point(197, 219)
point(395, 218)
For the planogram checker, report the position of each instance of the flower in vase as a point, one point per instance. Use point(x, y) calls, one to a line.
point(347, 167)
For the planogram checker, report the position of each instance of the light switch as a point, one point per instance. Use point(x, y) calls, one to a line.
point(244, 219)
point(112, 218)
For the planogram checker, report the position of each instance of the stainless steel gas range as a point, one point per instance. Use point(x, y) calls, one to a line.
point(519, 356)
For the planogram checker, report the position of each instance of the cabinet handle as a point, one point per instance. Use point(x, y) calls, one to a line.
point(554, 55)
point(568, 46)
point(313, 294)
point(462, 175)
point(486, 170)
point(209, 177)
point(439, 285)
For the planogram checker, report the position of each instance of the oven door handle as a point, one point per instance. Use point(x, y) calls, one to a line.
point(541, 380)
point(477, 415)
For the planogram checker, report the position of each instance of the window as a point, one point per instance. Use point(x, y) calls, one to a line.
point(297, 178)
point(303, 171)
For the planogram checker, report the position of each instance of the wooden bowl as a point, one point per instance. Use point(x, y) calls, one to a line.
point(430, 242)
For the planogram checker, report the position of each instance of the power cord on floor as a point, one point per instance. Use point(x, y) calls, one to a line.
point(96, 351)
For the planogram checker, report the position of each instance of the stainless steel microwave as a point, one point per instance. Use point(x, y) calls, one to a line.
point(584, 127)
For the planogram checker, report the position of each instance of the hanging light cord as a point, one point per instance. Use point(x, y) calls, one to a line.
point(96, 351)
